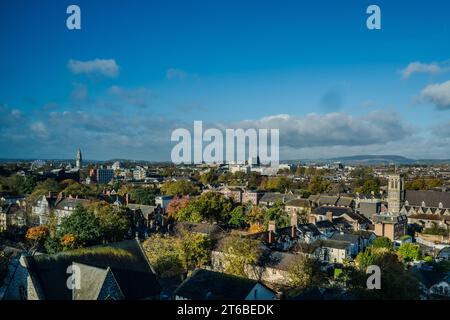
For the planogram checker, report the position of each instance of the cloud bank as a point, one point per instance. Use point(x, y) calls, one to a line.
point(104, 67)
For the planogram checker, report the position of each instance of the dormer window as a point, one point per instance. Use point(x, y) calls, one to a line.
point(423, 204)
point(407, 203)
point(441, 206)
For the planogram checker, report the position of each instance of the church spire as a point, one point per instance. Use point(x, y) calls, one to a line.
point(79, 160)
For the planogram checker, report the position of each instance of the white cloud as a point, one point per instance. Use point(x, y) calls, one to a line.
point(334, 129)
point(105, 67)
point(438, 94)
point(173, 73)
point(39, 128)
point(419, 67)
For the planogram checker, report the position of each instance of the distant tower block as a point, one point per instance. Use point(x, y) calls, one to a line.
point(395, 193)
point(79, 162)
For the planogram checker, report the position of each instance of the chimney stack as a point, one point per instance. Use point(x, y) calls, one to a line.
point(127, 198)
point(271, 228)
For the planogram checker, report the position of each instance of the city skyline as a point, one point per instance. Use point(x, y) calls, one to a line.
point(120, 85)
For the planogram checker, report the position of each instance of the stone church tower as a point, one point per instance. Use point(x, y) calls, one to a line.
point(395, 193)
point(79, 162)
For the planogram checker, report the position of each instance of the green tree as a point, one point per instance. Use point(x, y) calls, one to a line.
point(193, 250)
point(370, 186)
point(113, 221)
point(319, 184)
point(409, 252)
point(278, 214)
point(179, 188)
point(304, 273)
point(80, 190)
point(21, 185)
point(254, 180)
point(210, 206)
point(237, 217)
point(382, 242)
point(239, 253)
point(145, 196)
point(210, 177)
point(163, 255)
point(84, 225)
point(396, 282)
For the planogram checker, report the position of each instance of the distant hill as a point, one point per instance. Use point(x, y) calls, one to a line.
point(372, 160)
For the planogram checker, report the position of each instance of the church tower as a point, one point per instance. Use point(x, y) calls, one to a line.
point(395, 193)
point(79, 162)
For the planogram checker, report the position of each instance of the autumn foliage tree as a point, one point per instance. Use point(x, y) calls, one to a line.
point(175, 206)
point(37, 234)
point(68, 241)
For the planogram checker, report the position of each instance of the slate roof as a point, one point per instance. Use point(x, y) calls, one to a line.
point(306, 248)
point(281, 260)
point(210, 285)
point(431, 198)
point(433, 217)
point(348, 237)
point(336, 211)
point(364, 234)
point(125, 259)
point(297, 203)
point(309, 227)
point(344, 201)
point(328, 200)
point(145, 209)
point(333, 244)
point(325, 224)
point(12, 209)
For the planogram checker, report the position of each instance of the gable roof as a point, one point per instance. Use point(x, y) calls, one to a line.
point(336, 211)
point(344, 236)
point(431, 198)
point(301, 203)
point(309, 227)
point(335, 244)
point(281, 260)
point(344, 201)
point(125, 259)
point(145, 209)
point(210, 285)
point(325, 224)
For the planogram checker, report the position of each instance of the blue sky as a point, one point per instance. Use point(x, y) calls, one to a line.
point(139, 69)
